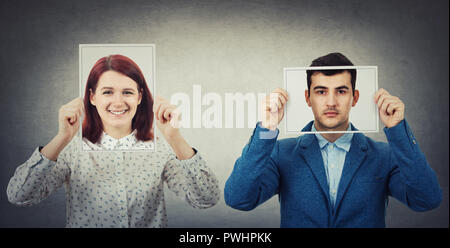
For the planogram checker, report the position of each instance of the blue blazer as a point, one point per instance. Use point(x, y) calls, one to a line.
point(293, 168)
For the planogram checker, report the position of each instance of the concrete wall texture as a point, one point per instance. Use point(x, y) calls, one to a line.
point(224, 46)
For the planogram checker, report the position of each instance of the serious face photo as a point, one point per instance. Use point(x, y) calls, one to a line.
point(332, 98)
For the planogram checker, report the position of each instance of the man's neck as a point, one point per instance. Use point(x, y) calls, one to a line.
point(332, 137)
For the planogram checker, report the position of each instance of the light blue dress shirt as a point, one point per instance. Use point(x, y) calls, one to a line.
point(333, 155)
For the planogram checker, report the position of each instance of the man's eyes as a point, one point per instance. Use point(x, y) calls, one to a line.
point(323, 92)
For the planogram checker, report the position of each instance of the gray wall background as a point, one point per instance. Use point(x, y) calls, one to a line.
point(224, 46)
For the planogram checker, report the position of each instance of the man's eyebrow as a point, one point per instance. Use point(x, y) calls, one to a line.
point(320, 87)
point(342, 87)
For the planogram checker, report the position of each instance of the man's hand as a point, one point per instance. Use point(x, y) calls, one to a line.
point(273, 108)
point(390, 108)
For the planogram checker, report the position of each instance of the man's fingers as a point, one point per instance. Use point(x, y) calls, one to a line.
point(276, 101)
point(381, 100)
point(392, 108)
point(282, 92)
point(282, 99)
point(386, 104)
point(380, 93)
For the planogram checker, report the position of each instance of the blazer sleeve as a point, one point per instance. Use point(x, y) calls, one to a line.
point(412, 180)
point(255, 176)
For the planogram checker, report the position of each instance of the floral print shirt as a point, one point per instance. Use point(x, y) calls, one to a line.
point(114, 188)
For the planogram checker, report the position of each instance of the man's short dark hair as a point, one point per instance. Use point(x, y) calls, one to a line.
point(332, 59)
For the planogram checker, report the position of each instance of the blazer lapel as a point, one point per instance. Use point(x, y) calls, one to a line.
point(310, 151)
point(353, 160)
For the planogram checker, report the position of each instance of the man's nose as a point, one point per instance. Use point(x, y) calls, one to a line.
point(331, 100)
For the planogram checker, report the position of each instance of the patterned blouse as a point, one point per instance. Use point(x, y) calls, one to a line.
point(114, 188)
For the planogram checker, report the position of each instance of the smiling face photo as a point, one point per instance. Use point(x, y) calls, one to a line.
point(118, 98)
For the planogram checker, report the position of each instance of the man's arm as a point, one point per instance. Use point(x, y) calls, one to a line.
point(412, 180)
point(255, 177)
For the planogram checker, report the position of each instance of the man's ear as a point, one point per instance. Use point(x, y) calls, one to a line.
point(91, 97)
point(355, 97)
point(308, 101)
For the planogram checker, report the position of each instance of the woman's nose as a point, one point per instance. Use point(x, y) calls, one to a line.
point(117, 99)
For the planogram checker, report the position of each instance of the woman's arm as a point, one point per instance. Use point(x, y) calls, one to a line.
point(185, 171)
point(190, 179)
point(42, 174)
point(69, 123)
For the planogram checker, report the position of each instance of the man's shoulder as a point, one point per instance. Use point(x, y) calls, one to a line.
point(293, 142)
point(373, 145)
point(288, 141)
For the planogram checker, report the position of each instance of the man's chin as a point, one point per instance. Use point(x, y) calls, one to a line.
point(333, 125)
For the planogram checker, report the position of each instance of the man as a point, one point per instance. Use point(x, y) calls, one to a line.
point(333, 179)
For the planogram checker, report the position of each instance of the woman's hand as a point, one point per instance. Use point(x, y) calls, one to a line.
point(167, 117)
point(69, 122)
point(69, 119)
point(168, 122)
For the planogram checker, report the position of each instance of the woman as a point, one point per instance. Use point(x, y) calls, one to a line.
point(115, 188)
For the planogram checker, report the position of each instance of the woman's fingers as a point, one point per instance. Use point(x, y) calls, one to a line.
point(163, 110)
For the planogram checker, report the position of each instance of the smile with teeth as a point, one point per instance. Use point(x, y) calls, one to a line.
point(118, 112)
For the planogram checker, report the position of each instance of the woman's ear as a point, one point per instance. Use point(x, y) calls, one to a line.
point(91, 97)
point(140, 97)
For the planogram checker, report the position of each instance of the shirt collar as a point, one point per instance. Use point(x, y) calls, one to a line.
point(111, 143)
point(343, 142)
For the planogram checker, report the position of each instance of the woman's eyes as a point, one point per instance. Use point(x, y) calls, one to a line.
point(109, 92)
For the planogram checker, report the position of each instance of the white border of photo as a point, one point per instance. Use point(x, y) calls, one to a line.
point(142, 54)
point(364, 115)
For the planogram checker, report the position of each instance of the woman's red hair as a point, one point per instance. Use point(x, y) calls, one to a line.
point(142, 120)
